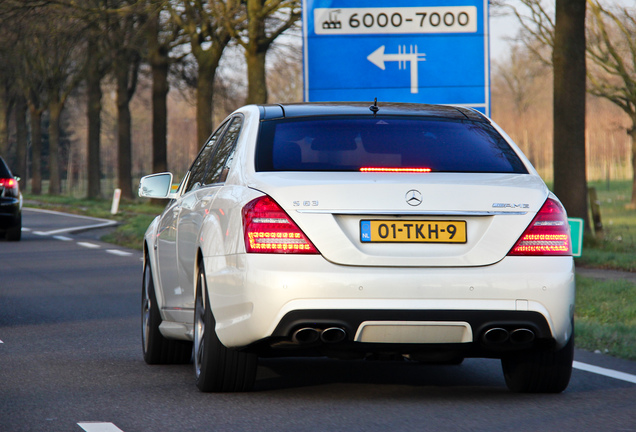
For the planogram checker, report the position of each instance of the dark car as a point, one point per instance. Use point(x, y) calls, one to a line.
point(10, 204)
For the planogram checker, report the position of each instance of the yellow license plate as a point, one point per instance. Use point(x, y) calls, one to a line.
point(398, 231)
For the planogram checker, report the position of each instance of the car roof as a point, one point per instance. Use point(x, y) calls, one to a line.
point(277, 111)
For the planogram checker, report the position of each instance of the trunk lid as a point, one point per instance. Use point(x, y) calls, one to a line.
point(408, 220)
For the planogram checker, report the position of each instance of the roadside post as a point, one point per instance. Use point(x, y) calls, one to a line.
point(116, 197)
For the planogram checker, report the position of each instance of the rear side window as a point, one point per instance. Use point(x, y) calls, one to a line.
point(224, 153)
point(353, 144)
point(200, 164)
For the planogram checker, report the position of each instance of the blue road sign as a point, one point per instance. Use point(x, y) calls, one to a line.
point(425, 51)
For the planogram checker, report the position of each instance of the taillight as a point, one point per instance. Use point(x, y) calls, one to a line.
point(268, 229)
point(9, 185)
point(548, 234)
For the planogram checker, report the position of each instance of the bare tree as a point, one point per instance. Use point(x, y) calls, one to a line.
point(5, 111)
point(96, 67)
point(537, 28)
point(519, 73)
point(612, 55)
point(21, 137)
point(565, 33)
point(96, 17)
point(125, 35)
point(255, 25)
point(285, 73)
point(7, 83)
point(12, 99)
point(208, 39)
point(163, 35)
point(31, 79)
point(64, 54)
point(568, 58)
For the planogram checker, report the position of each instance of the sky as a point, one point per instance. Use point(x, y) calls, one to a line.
point(500, 29)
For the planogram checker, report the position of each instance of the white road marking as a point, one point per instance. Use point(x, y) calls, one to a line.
point(118, 252)
point(37, 210)
point(88, 245)
point(78, 228)
point(102, 222)
point(26, 229)
point(99, 427)
point(605, 372)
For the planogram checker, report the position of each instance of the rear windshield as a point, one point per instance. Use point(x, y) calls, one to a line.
point(360, 144)
point(4, 170)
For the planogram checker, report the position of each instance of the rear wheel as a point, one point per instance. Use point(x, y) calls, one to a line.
point(217, 368)
point(14, 233)
point(156, 348)
point(540, 371)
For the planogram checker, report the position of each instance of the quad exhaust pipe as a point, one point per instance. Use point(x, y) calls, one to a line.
point(310, 335)
point(306, 335)
point(521, 336)
point(333, 335)
point(498, 336)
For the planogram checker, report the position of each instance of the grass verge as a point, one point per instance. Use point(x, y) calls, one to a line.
point(605, 317)
point(615, 246)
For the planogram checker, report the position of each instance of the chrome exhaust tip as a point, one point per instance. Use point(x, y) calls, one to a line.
point(496, 336)
point(521, 336)
point(306, 335)
point(333, 335)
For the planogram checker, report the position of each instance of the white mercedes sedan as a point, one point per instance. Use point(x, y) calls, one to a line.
point(392, 231)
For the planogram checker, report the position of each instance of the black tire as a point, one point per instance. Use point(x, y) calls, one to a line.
point(540, 371)
point(14, 233)
point(217, 368)
point(156, 348)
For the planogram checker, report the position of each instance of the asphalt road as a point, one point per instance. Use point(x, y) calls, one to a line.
point(70, 360)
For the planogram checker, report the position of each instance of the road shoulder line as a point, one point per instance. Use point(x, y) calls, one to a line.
point(605, 372)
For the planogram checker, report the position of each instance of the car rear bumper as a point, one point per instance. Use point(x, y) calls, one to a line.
point(258, 297)
point(10, 210)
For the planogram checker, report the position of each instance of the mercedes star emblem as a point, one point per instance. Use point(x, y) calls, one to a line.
point(413, 197)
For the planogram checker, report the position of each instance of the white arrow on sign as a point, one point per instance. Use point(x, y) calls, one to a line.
point(378, 57)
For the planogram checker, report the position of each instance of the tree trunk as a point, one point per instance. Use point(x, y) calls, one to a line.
point(159, 59)
point(21, 137)
point(632, 134)
point(55, 109)
point(208, 62)
point(160, 88)
point(4, 120)
point(124, 142)
point(255, 52)
point(256, 76)
point(570, 183)
point(36, 148)
point(93, 114)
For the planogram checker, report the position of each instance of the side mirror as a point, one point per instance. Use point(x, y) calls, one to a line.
point(156, 186)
